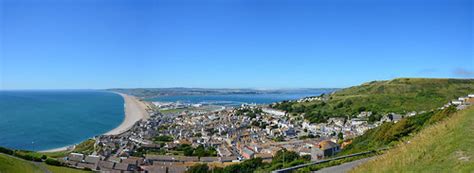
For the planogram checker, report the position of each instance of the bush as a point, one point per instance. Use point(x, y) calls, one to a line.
point(163, 138)
point(6, 151)
point(53, 162)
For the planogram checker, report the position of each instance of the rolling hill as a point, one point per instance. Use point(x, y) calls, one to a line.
point(400, 95)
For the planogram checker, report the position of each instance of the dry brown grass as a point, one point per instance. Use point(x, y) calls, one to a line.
point(444, 147)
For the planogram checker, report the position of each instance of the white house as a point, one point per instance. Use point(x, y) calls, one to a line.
point(273, 111)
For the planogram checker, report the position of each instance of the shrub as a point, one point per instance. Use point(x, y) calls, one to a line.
point(6, 151)
point(53, 162)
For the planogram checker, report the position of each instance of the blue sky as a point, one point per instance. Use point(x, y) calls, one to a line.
point(66, 44)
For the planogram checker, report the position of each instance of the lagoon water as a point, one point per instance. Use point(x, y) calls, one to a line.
point(41, 120)
point(236, 99)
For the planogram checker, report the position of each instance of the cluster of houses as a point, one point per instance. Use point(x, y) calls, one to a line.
point(462, 102)
point(234, 136)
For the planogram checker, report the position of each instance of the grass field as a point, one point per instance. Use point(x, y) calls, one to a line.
point(10, 164)
point(443, 147)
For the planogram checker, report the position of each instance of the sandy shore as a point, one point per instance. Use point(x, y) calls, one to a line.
point(135, 110)
point(71, 147)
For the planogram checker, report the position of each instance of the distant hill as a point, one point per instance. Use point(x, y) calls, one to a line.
point(443, 147)
point(400, 95)
point(156, 92)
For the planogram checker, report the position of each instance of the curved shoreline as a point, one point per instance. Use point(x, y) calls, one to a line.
point(135, 110)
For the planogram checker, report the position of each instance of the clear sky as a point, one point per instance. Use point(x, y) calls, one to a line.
point(65, 44)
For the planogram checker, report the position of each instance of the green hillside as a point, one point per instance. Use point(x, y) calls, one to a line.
point(443, 147)
point(9, 164)
point(389, 134)
point(399, 96)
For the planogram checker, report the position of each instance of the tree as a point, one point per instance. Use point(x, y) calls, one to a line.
point(285, 156)
point(340, 136)
point(361, 109)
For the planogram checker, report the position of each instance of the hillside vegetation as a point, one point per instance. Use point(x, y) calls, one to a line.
point(443, 147)
point(398, 96)
point(389, 134)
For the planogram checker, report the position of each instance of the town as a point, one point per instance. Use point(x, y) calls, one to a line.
point(172, 142)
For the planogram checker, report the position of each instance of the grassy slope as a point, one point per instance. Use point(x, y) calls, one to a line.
point(9, 164)
point(389, 134)
point(86, 147)
point(398, 95)
point(444, 147)
point(12, 165)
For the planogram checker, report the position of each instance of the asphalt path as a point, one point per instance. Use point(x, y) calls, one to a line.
point(343, 168)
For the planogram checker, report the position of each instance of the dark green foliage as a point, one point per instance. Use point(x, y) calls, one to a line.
point(374, 117)
point(200, 151)
point(163, 138)
point(27, 156)
point(252, 113)
point(6, 151)
point(310, 136)
point(282, 159)
point(285, 156)
point(198, 168)
point(53, 162)
point(247, 166)
point(340, 136)
point(279, 139)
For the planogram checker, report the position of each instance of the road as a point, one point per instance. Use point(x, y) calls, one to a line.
point(343, 168)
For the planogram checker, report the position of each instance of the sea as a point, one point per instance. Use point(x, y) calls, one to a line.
point(48, 119)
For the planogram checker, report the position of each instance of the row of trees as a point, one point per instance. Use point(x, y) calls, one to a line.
point(282, 159)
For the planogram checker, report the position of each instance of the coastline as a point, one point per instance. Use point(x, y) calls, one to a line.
point(135, 110)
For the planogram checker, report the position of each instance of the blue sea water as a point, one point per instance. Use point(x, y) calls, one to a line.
point(41, 120)
point(235, 99)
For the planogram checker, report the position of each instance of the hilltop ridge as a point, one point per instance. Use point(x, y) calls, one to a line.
point(401, 95)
